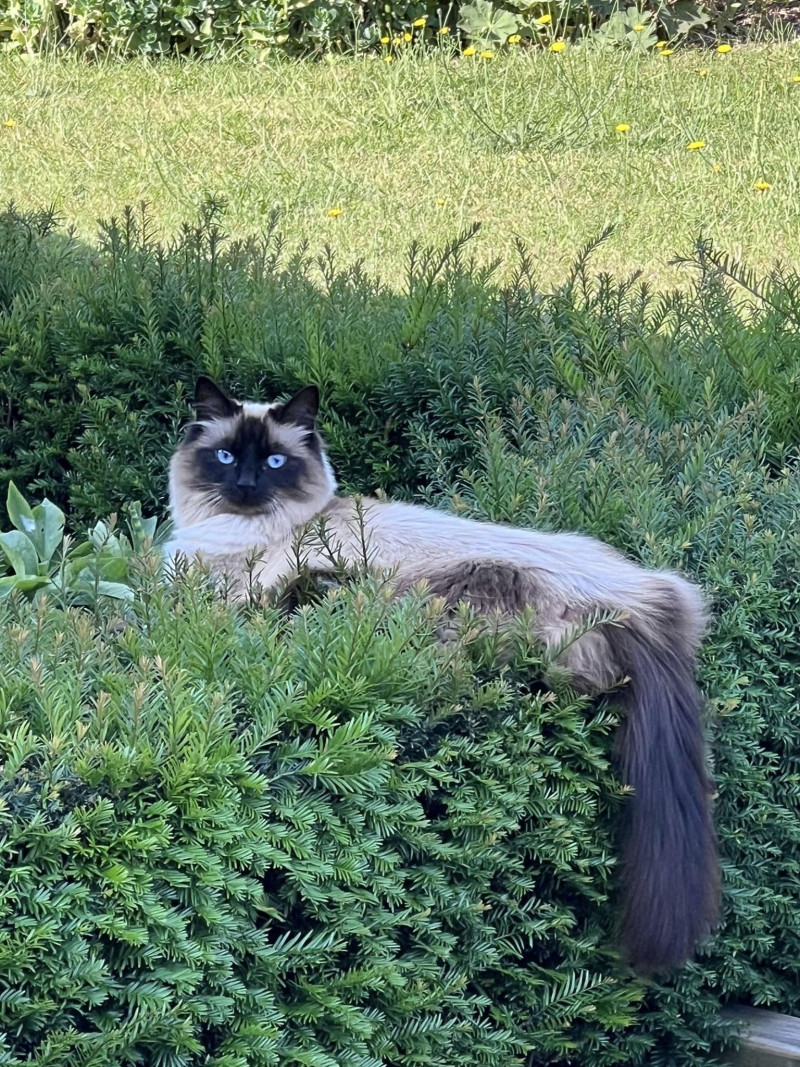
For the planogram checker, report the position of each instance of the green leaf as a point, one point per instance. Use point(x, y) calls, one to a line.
point(87, 585)
point(112, 568)
point(43, 525)
point(22, 583)
point(683, 17)
point(20, 552)
point(81, 552)
point(482, 20)
point(116, 590)
point(103, 539)
point(49, 528)
point(19, 510)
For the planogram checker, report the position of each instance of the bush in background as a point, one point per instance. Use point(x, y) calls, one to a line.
point(410, 850)
point(100, 348)
point(203, 27)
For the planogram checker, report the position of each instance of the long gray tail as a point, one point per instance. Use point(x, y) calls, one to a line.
point(670, 859)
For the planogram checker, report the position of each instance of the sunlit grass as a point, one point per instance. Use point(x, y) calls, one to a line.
point(367, 156)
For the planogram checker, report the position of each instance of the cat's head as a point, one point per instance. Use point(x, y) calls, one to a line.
point(250, 460)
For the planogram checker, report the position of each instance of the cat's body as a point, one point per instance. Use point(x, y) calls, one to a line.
point(245, 522)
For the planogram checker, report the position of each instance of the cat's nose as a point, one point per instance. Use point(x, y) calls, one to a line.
point(246, 480)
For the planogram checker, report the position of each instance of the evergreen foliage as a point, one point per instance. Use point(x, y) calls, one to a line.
point(237, 837)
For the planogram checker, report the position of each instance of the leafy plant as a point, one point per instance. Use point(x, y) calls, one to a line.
point(483, 21)
point(632, 27)
point(43, 561)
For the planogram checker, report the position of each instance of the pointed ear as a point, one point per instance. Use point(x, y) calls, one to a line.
point(302, 409)
point(211, 403)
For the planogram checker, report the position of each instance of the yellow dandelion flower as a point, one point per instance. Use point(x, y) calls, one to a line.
point(384, 40)
point(444, 31)
point(420, 22)
point(622, 127)
point(397, 40)
point(796, 79)
point(723, 48)
point(486, 54)
point(639, 28)
point(762, 186)
point(11, 124)
point(388, 59)
point(661, 44)
point(544, 20)
point(515, 38)
point(717, 167)
point(468, 51)
point(334, 212)
point(558, 46)
point(440, 201)
point(692, 146)
point(667, 51)
point(407, 37)
point(704, 73)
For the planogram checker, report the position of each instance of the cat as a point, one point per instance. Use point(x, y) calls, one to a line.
point(248, 479)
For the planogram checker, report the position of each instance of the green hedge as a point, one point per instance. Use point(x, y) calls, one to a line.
point(250, 842)
point(248, 839)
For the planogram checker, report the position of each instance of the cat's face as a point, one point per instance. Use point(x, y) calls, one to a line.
point(250, 459)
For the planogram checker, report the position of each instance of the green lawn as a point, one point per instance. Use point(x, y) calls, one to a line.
point(525, 144)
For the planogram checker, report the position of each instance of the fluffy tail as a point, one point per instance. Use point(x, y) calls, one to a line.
point(670, 862)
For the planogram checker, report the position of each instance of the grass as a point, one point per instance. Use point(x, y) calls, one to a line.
point(525, 144)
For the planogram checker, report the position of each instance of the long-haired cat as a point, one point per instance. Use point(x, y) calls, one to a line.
point(248, 478)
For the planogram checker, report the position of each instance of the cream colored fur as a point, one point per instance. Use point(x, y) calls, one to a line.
point(570, 577)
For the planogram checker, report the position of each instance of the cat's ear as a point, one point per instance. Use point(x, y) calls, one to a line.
point(301, 410)
point(211, 403)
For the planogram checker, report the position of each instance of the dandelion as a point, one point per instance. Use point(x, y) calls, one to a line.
point(704, 73)
point(444, 31)
point(557, 46)
point(334, 212)
point(544, 20)
point(388, 59)
point(661, 44)
point(515, 38)
point(667, 51)
point(639, 28)
point(440, 201)
point(796, 79)
point(468, 51)
point(692, 146)
point(419, 23)
point(622, 127)
point(384, 40)
point(407, 38)
point(11, 124)
point(723, 48)
point(486, 54)
point(762, 186)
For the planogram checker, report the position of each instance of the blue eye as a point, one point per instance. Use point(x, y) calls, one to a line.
point(275, 461)
point(224, 457)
